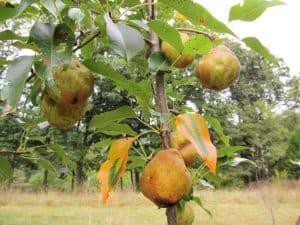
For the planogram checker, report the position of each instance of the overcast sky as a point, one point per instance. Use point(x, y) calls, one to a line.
point(278, 28)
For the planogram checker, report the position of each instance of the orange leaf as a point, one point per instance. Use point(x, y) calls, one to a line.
point(115, 166)
point(194, 128)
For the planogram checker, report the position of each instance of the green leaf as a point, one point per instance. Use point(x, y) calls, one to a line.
point(215, 123)
point(23, 5)
point(119, 114)
point(167, 33)
point(197, 14)
point(50, 6)
point(251, 9)
point(6, 13)
point(135, 161)
point(9, 35)
point(41, 139)
point(15, 79)
point(21, 45)
point(255, 45)
point(124, 40)
point(140, 90)
point(3, 62)
point(6, 170)
point(55, 43)
point(157, 61)
point(114, 129)
point(130, 3)
point(47, 165)
point(139, 23)
point(35, 91)
point(230, 150)
point(199, 202)
point(59, 150)
point(197, 44)
point(102, 144)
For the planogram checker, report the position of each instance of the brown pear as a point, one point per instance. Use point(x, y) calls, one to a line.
point(218, 69)
point(74, 84)
point(60, 116)
point(186, 148)
point(189, 154)
point(174, 56)
point(165, 179)
point(185, 215)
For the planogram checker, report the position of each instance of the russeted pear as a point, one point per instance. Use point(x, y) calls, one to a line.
point(74, 84)
point(60, 116)
point(218, 69)
point(172, 54)
point(165, 179)
point(185, 215)
point(185, 147)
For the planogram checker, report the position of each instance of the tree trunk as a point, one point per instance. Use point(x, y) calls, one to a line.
point(131, 179)
point(137, 180)
point(79, 175)
point(45, 181)
point(161, 101)
point(73, 181)
point(121, 184)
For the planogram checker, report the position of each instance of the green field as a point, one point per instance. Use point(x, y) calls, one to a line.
point(251, 206)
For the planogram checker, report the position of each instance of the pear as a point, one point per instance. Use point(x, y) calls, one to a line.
point(74, 84)
point(189, 154)
point(60, 116)
point(218, 69)
point(186, 148)
point(165, 179)
point(185, 215)
point(172, 54)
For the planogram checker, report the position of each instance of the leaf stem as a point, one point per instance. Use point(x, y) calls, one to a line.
point(87, 41)
point(147, 125)
point(210, 37)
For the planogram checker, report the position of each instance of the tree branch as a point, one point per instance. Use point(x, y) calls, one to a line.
point(161, 101)
point(87, 41)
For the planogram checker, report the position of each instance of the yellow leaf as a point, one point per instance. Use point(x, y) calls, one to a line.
point(115, 166)
point(194, 128)
point(179, 16)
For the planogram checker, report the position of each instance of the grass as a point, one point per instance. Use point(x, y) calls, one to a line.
point(251, 206)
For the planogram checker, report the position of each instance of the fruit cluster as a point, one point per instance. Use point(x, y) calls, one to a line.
point(166, 179)
point(216, 70)
point(65, 104)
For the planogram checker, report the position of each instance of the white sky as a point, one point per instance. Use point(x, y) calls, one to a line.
point(278, 28)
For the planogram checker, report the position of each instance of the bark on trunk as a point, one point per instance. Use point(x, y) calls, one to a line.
point(161, 101)
point(73, 181)
point(79, 175)
point(45, 181)
point(137, 180)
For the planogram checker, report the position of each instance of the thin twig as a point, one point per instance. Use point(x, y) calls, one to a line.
point(87, 41)
point(147, 41)
point(7, 152)
point(31, 76)
point(210, 37)
point(174, 111)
